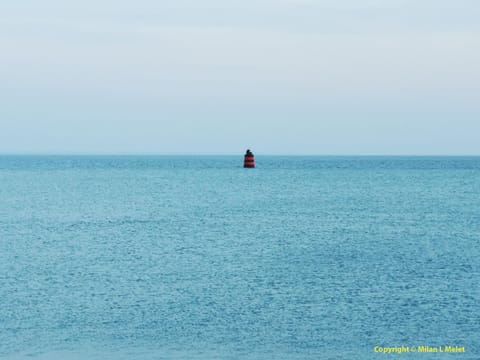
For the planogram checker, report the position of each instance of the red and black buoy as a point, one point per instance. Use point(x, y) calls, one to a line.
point(249, 161)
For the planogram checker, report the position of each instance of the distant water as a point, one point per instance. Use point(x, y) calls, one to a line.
point(198, 258)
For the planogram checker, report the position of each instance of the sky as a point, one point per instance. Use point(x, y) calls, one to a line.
point(333, 77)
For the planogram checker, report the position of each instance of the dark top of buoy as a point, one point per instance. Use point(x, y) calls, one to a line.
point(249, 153)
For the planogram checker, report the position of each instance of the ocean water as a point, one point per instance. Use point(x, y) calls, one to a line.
point(197, 258)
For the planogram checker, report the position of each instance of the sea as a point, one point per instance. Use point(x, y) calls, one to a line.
point(195, 257)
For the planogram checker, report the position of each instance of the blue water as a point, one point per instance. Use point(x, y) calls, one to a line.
point(198, 258)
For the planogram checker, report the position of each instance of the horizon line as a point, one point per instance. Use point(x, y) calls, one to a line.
point(237, 154)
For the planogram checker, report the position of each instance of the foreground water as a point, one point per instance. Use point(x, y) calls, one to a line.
point(198, 258)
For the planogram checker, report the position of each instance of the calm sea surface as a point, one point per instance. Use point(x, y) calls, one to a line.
point(198, 258)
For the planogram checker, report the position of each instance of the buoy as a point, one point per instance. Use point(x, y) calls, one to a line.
point(249, 161)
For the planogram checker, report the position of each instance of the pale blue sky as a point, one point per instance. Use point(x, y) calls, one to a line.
point(279, 76)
